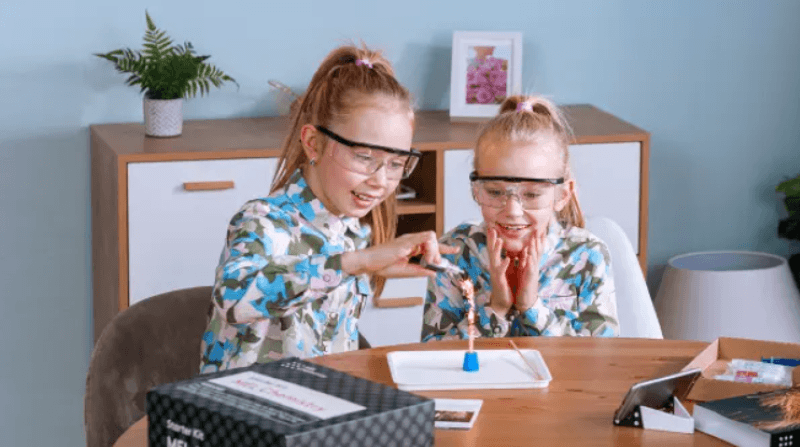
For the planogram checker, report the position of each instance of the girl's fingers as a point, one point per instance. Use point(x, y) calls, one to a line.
point(499, 251)
point(447, 249)
point(534, 244)
point(431, 248)
point(405, 271)
point(424, 243)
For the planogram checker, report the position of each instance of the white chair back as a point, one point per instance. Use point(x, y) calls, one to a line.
point(635, 309)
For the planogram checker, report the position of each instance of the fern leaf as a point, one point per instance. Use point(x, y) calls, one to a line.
point(107, 56)
point(150, 25)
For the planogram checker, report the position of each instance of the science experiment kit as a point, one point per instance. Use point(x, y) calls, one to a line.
point(288, 403)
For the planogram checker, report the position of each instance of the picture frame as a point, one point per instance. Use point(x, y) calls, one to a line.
point(486, 67)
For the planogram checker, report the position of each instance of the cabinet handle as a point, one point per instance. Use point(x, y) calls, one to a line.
point(388, 303)
point(207, 186)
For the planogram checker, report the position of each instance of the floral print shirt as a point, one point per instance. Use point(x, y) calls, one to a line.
point(280, 290)
point(576, 289)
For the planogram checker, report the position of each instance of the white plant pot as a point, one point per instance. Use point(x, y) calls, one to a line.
point(163, 117)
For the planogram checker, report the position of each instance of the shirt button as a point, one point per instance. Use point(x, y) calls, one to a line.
point(333, 316)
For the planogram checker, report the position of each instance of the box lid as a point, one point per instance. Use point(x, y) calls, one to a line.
point(714, 358)
point(289, 396)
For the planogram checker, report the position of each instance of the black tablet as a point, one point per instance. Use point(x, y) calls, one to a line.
point(656, 393)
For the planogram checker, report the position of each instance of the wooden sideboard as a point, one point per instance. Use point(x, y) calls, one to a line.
point(160, 207)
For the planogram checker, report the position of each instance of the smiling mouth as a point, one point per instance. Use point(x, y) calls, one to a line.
point(513, 227)
point(365, 197)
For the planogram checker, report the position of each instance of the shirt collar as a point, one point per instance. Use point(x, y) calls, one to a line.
point(312, 209)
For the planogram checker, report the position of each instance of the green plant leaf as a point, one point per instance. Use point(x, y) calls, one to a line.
point(150, 24)
point(164, 70)
point(790, 187)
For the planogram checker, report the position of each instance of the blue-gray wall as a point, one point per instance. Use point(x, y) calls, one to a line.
point(716, 82)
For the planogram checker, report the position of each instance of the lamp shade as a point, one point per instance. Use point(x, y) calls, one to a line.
point(744, 294)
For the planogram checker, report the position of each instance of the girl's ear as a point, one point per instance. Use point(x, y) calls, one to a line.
point(566, 193)
point(309, 138)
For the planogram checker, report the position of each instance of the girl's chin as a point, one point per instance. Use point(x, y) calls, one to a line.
point(356, 212)
point(513, 237)
point(513, 248)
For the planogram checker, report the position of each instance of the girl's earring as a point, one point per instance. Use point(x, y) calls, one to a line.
point(313, 162)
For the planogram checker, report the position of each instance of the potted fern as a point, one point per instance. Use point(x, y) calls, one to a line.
point(789, 228)
point(166, 74)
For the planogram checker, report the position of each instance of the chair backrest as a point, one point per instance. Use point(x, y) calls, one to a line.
point(635, 309)
point(154, 341)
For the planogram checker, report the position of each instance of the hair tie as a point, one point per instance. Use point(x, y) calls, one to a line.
point(525, 105)
point(364, 62)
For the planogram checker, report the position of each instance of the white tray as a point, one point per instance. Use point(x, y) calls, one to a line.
point(442, 370)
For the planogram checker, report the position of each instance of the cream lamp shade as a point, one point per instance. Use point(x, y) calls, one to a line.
point(744, 294)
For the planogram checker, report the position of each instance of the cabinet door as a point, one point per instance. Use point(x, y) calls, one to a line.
point(458, 204)
point(175, 236)
point(608, 177)
point(398, 325)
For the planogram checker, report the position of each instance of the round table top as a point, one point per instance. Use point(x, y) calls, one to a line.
point(590, 379)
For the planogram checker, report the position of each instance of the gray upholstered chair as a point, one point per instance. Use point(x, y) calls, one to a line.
point(155, 341)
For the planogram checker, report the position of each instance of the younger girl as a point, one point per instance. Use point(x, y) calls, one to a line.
point(296, 270)
point(535, 269)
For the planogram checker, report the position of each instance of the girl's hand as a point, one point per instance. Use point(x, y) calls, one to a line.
point(529, 272)
point(502, 299)
point(390, 259)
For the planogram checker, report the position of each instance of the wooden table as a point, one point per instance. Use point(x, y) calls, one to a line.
point(590, 378)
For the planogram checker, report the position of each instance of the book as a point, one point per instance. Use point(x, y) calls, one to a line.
point(762, 419)
point(286, 403)
point(456, 413)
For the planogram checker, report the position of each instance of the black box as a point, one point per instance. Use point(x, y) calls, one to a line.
point(286, 403)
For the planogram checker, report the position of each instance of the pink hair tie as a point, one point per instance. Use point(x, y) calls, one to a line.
point(525, 105)
point(364, 62)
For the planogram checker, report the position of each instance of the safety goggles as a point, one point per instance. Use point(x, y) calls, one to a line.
point(367, 159)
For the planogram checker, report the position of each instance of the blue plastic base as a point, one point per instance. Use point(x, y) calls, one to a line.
point(471, 362)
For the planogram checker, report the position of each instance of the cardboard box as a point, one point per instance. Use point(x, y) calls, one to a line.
point(286, 403)
point(715, 358)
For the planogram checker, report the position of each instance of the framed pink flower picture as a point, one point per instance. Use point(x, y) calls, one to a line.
point(486, 68)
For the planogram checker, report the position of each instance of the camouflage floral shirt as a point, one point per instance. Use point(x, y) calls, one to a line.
point(279, 289)
point(576, 289)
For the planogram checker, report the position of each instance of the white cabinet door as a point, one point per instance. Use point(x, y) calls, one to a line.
point(608, 177)
point(393, 326)
point(458, 204)
point(175, 236)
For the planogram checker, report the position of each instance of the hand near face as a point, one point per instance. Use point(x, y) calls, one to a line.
point(529, 271)
point(502, 299)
